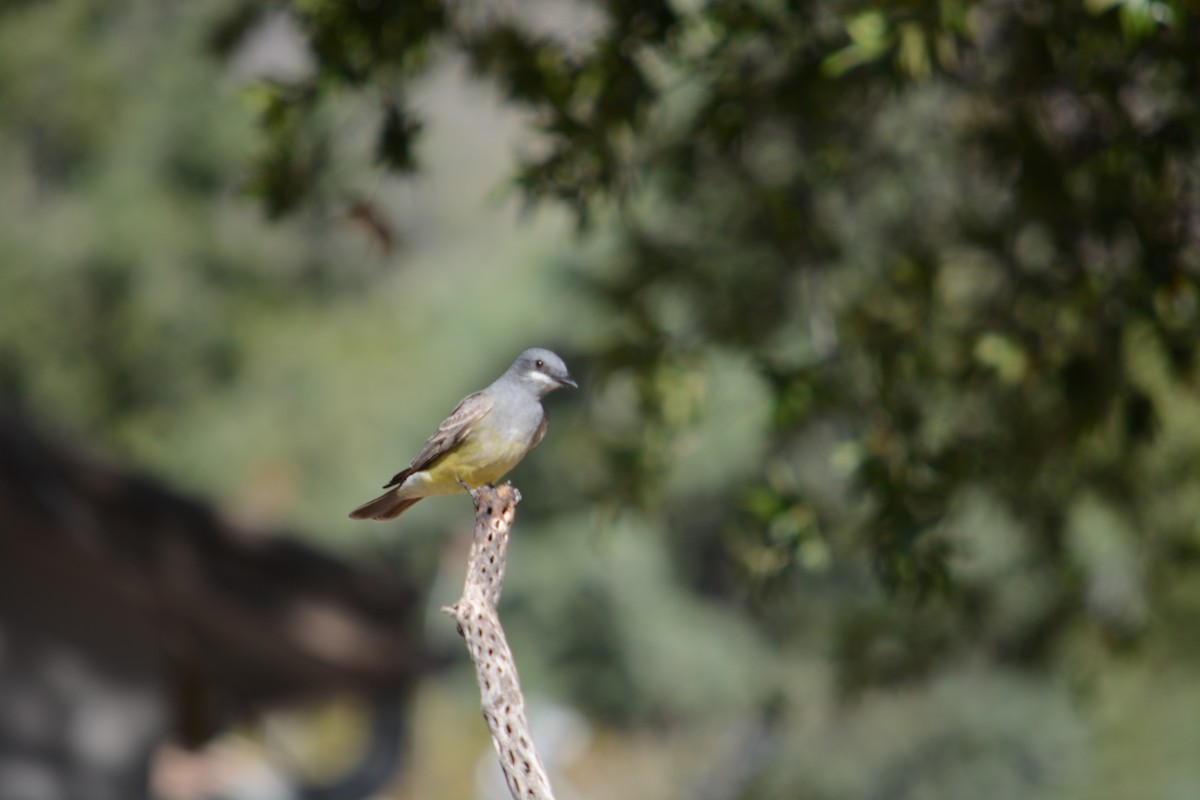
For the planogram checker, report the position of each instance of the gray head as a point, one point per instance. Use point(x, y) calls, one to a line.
point(541, 370)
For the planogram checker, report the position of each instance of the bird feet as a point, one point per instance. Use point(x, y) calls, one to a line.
point(490, 486)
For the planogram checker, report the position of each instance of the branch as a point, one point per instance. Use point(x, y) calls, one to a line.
point(479, 625)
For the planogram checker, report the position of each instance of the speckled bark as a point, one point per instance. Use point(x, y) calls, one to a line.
point(479, 625)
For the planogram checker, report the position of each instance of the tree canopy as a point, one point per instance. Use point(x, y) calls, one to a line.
point(955, 242)
point(885, 313)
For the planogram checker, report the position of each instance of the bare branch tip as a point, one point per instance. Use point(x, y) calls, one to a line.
point(516, 493)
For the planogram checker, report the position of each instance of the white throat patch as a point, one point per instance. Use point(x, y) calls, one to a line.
point(541, 377)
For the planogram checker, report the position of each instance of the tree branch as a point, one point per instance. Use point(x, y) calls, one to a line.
point(479, 625)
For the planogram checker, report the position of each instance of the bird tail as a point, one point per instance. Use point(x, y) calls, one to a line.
point(386, 506)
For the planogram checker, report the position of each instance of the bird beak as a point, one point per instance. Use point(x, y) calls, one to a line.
point(567, 380)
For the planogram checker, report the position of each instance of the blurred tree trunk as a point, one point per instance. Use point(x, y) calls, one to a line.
point(129, 615)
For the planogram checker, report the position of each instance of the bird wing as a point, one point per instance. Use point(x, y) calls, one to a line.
point(469, 411)
point(541, 430)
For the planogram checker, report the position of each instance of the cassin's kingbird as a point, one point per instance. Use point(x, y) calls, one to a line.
point(486, 435)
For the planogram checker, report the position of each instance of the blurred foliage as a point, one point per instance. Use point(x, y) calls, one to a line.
point(133, 276)
point(959, 239)
point(952, 249)
point(886, 313)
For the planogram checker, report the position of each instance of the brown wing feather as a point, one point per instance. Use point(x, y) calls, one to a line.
point(470, 410)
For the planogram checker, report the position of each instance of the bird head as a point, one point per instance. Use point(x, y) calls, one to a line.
point(543, 370)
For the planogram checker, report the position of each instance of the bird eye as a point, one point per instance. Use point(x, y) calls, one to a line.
point(539, 363)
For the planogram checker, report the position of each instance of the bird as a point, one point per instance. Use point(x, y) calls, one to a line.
point(485, 436)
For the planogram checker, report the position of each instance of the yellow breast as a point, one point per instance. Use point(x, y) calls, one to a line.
point(481, 458)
